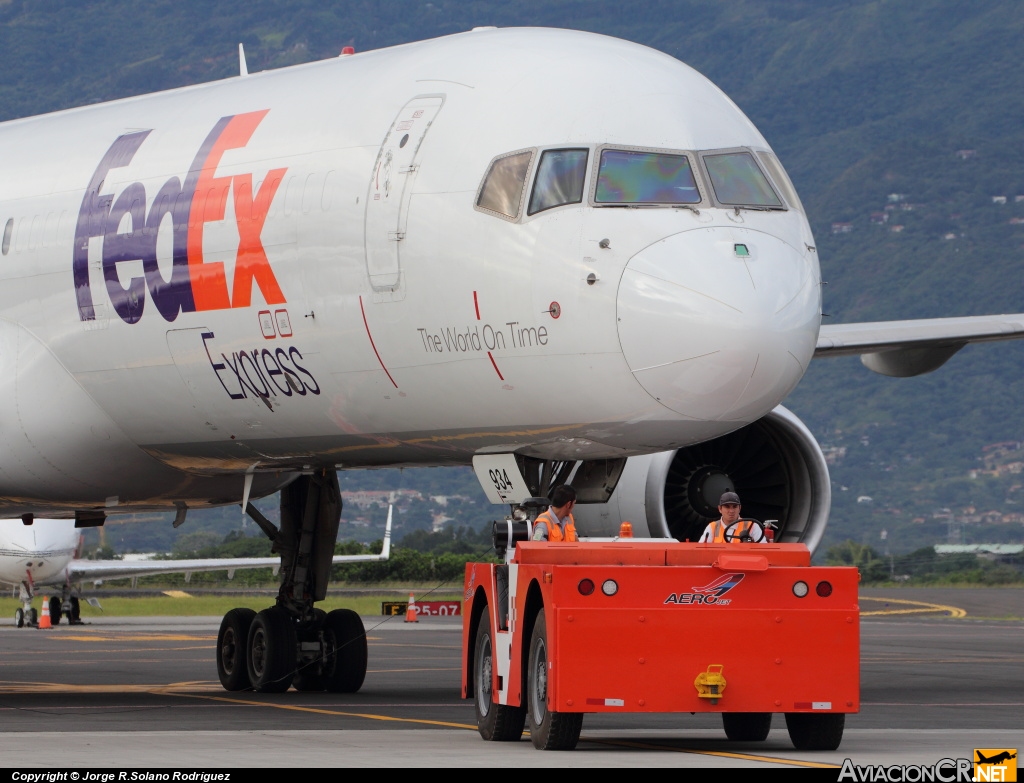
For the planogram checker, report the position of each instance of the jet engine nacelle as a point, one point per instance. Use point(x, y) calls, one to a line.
point(775, 465)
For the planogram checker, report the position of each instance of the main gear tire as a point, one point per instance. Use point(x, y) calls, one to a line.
point(345, 653)
point(75, 615)
point(19, 618)
point(233, 649)
point(495, 722)
point(549, 730)
point(808, 731)
point(55, 604)
point(747, 726)
point(272, 651)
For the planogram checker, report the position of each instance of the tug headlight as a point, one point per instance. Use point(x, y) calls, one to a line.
point(800, 589)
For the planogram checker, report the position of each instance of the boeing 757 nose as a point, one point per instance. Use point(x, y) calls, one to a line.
point(719, 323)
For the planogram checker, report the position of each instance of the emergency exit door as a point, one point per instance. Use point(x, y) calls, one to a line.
point(390, 190)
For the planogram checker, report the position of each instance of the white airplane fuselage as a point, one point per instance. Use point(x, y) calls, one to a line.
point(290, 269)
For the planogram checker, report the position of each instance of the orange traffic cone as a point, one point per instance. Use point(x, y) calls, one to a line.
point(44, 621)
point(411, 615)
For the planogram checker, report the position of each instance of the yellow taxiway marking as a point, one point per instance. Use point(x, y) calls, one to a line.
point(161, 637)
point(188, 690)
point(176, 594)
point(321, 711)
point(918, 607)
point(471, 727)
point(49, 687)
point(721, 753)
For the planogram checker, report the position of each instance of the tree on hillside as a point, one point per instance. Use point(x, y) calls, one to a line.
point(850, 553)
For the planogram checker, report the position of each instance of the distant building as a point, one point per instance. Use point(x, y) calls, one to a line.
point(896, 198)
point(966, 154)
point(1000, 553)
point(999, 199)
point(842, 228)
point(949, 235)
point(833, 454)
point(381, 497)
point(1017, 221)
point(896, 229)
point(879, 218)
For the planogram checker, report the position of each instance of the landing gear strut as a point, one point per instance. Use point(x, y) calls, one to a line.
point(292, 642)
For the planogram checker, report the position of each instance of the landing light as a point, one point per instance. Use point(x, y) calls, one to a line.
point(800, 589)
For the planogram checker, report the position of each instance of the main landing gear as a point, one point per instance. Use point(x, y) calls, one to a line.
point(67, 605)
point(292, 642)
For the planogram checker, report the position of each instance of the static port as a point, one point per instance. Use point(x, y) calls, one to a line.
point(800, 589)
point(586, 586)
point(609, 587)
point(824, 589)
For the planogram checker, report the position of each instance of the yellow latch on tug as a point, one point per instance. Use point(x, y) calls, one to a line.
point(711, 683)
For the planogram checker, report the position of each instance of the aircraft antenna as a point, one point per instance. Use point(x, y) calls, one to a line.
point(243, 69)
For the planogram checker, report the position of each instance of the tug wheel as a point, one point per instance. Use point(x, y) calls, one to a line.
point(495, 722)
point(815, 732)
point(549, 730)
point(747, 726)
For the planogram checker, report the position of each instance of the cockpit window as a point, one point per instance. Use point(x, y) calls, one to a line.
point(737, 181)
point(502, 191)
point(780, 178)
point(628, 177)
point(559, 180)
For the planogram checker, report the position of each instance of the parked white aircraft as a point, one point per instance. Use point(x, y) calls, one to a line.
point(46, 554)
point(554, 254)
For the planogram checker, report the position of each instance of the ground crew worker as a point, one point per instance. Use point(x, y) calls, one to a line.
point(557, 524)
point(729, 508)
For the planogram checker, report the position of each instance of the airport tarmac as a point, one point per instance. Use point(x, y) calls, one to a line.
point(939, 677)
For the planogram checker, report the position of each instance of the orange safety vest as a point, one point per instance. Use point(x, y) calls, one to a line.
point(555, 530)
point(718, 532)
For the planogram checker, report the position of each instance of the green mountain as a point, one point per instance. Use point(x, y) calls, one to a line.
point(863, 101)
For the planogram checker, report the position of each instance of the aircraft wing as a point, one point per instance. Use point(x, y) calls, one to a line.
point(118, 569)
point(905, 348)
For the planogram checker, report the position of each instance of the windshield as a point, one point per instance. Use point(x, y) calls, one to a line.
point(737, 181)
point(502, 191)
point(559, 180)
point(627, 177)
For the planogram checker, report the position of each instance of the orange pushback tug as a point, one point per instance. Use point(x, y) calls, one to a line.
point(656, 625)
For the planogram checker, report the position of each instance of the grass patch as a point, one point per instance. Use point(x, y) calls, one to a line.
point(207, 605)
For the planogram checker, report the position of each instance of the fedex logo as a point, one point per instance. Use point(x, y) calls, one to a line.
point(193, 284)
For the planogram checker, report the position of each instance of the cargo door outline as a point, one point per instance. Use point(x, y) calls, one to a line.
point(390, 189)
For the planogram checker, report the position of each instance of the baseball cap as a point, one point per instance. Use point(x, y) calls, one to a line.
point(729, 497)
